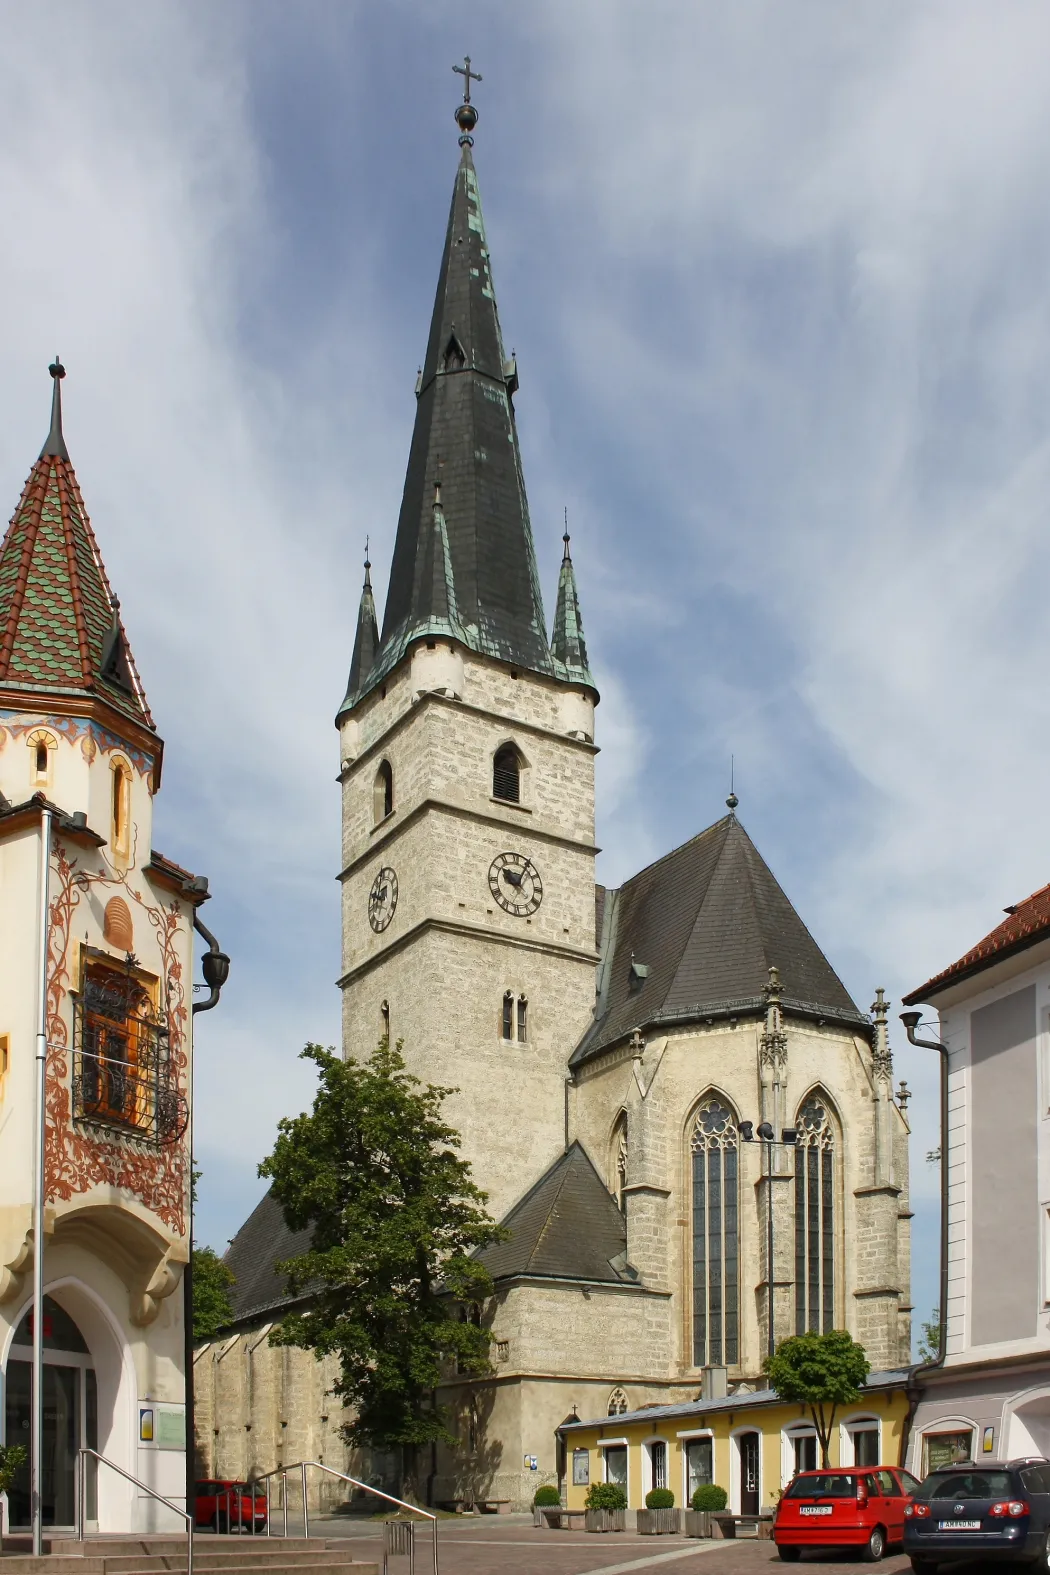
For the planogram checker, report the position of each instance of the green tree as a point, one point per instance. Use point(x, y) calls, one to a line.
point(373, 1172)
point(212, 1308)
point(822, 1371)
point(12, 1458)
point(930, 1337)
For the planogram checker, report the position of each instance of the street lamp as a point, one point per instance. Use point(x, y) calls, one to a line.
point(788, 1139)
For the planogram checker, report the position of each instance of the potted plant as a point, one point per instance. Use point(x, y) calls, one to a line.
point(546, 1497)
point(606, 1504)
point(659, 1517)
point(12, 1459)
point(707, 1500)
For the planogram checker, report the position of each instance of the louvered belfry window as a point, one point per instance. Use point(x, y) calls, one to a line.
point(814, 1219)
point(506, 774)
point(716, 1271)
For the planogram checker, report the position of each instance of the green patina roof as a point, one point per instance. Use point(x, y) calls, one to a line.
point(568, 646)
point(60, 628)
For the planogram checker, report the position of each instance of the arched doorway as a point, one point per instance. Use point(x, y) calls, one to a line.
point(70, 1414)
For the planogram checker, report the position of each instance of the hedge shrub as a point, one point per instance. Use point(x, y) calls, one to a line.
point(606, 1495)
point(546, 1497)
point(710, 1496)
point(659, 1498)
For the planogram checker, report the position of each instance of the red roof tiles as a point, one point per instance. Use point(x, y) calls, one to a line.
point(1025, 923)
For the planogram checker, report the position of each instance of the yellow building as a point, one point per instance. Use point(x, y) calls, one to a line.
point(750, 1444)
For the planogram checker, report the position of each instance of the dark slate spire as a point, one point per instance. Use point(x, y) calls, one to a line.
point(366, 640)
point(465, 438)
point(568, 646)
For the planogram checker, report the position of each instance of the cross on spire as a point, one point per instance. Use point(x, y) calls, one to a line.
point(469, 76)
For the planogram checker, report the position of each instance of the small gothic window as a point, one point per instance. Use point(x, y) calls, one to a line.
point(506, 774)
point(41, 760)
point(384, 1016)
point(40, 747)
point(383, 793)
point(617, 1402)
point(814, 1218)
point(455, 359)
point(508, 1015)
point(523, 1008)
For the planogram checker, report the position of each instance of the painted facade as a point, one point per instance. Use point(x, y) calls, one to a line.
point(992, 1395)
point(77, 741)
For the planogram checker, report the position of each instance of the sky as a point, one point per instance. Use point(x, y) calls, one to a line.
point(778, 281)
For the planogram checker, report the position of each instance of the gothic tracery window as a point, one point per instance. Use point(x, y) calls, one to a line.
point(716, 1273)
point(617, 1402)
point(814, 1217)
point(619, 1159)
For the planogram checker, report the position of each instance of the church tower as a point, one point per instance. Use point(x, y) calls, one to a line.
point(467, 760)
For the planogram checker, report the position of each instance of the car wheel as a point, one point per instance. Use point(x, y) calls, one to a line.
point(1042, 1560)
point(790, 1555)
point(875, 1546)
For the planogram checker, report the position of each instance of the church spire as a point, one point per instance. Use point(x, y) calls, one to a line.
point(366, 640)
point(568, 646)
point(465, 438)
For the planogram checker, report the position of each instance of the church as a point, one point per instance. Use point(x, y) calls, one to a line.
point(684, 1120)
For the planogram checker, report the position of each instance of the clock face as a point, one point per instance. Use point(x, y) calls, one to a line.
point(382, 900)
point(515, 883)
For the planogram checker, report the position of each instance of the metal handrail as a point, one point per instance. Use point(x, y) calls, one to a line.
point(303, 1465)
point(82, 1454)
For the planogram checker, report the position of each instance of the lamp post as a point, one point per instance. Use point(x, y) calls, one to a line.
point(215, 966)
point(788, 1139)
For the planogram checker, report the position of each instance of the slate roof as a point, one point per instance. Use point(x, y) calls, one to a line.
point(464, 564)
point(894, 1379)
point(707, 921)
point(1026, 923)
point(60, 626)
point(567, 1227)
point(568, 645)
point(262, 1241)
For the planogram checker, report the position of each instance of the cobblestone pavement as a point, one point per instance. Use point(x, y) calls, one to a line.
point(511, 1545)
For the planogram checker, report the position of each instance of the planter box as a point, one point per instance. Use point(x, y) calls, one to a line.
point(723, 1524)
point(606, 1519)
point(659, 1522)
point(697, 1522)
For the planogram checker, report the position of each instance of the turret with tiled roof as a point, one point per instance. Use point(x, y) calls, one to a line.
point(366, 640)
point(465, 441)
point(568, 646)
point(61, 636)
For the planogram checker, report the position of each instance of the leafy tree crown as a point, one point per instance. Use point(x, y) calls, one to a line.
point(212, 1279)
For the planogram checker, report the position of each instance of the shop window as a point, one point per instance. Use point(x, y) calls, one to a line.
point(866, 1445)
point(699, 1465)
point(946, 1449)
point(658, 1463)
point(804, 1446)
point(616, 1464)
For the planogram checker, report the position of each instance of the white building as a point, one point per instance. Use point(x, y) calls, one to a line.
point(992, 1395)
point(78, 746)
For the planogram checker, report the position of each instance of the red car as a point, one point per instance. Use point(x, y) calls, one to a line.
point(230, 1506)
point(843, 1508)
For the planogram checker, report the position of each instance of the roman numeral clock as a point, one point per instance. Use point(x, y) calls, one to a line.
point(515, 883)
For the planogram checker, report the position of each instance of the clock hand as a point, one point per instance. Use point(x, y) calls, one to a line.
point(512, 877)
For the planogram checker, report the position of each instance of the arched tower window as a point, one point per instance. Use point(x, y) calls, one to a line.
point(120, 810)
point(716, 1257)
point(41, 745)
point(506, 774)
point(508, 1014)
point(617, 1402)
point(814, 1217)
point(383, 793)
point(523, 1018)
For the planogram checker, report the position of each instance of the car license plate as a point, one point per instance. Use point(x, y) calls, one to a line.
point(815, 1509)
point(958, 1525)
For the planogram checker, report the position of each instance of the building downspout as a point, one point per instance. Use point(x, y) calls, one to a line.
point(39, 1184)
point(913, 1383)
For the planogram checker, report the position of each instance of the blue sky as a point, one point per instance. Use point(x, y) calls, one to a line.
point(777, 279)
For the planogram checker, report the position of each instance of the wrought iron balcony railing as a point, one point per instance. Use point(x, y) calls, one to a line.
point(122, 1074)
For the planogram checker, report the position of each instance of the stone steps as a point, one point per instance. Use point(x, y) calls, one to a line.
point(162, 1555)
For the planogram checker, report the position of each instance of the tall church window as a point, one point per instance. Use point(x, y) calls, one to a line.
point(506, 774)
point(618, 1159)
point(523, 1018)
point(383, 793)
point(716, 1272)
point(814, 1217)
